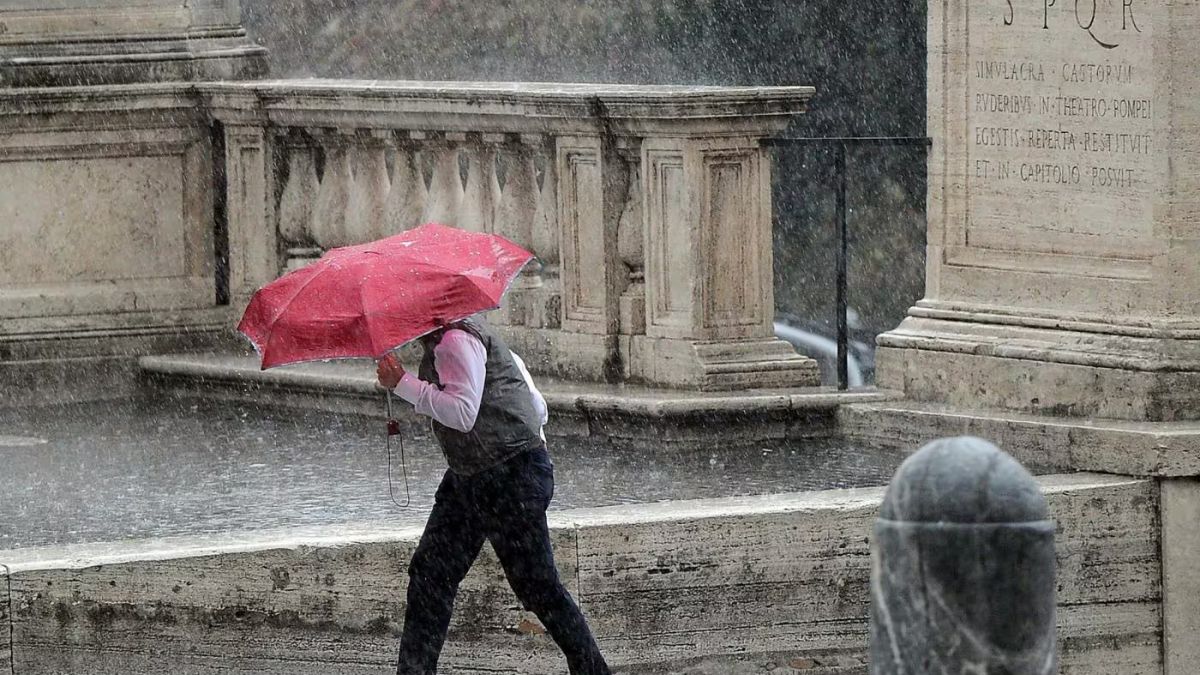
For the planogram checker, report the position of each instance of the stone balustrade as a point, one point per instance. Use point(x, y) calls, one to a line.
point(648, 208)
point(383, 182)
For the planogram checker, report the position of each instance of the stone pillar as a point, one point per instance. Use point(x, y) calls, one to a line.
point(1064, 213)
point(590, 200)
point(962, 566)
point(74, 42)
point(250, 206)
point(709, 289)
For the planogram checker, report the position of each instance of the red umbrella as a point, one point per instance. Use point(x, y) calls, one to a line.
point(365, 300)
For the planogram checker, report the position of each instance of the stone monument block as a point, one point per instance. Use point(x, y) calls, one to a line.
point(74, 42)
point(1064, 211)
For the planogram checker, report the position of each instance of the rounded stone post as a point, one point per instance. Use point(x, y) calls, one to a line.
point(962, 567)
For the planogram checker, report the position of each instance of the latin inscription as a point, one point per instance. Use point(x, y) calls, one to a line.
point(1061, 118)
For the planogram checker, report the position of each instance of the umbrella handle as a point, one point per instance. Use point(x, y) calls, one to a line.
point(393, 429)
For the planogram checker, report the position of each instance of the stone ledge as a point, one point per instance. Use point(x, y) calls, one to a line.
point(529, 106)
point(50, 337)
point(789, 570)
point(612, 412)
point(358, 377)
point(96, 554)
point(66, 363)
point(1162, 449)
point(1132, 373)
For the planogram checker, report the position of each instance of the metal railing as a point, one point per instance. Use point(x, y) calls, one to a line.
point(840, 146)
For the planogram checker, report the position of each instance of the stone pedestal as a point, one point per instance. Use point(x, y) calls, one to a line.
point(114, 239)
point(1064, 213)
point(708, 298)
point(1063, 283)
point(107, 248)
point(704, 317)
point(74, 42)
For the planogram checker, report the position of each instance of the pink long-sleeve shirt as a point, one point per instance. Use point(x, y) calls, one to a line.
point(460, 361)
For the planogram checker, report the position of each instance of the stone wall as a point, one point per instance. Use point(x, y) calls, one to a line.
point(730, 586)
point(648, 208)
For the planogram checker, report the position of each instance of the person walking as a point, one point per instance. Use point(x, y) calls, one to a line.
point(487, 415)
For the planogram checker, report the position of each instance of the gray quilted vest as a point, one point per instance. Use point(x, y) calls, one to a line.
point(506, 425)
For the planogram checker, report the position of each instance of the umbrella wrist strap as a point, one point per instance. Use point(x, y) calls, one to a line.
point(393, 429)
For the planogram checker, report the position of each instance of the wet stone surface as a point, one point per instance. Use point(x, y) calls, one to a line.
point(149, 468)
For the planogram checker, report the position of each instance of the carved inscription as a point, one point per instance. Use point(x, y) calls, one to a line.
point(1061, 147)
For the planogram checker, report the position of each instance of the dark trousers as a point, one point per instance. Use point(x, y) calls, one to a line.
point(505, 505)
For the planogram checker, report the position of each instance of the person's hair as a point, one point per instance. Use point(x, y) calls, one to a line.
point(431, 340)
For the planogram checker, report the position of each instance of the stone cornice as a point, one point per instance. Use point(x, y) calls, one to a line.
point(487, 107)
point(510, 107)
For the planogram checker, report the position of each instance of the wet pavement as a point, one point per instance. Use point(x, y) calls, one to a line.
point(166, 467)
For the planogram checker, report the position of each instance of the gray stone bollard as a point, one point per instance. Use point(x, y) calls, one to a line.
point(962, 567)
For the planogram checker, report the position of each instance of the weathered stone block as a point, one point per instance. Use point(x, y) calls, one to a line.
point(302, 609)
point(127, 226)
point(1063, 205)
point(1181, 575)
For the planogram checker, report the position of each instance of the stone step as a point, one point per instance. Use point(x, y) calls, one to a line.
point(736, 586)
point(619, 413)
point(1044, 444)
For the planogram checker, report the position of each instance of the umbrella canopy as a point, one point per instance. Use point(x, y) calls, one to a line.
point(365, 300)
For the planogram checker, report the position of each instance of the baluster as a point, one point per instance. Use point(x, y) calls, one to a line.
point(482, 193)
point(445, 189)
point(514, 219)
point(545, 311)
point(368, 193)
point(408, 195)
point(631, 243)
point(331, 211)
point(296, 203)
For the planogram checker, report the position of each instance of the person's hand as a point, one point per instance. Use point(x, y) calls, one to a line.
point(389, 371)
